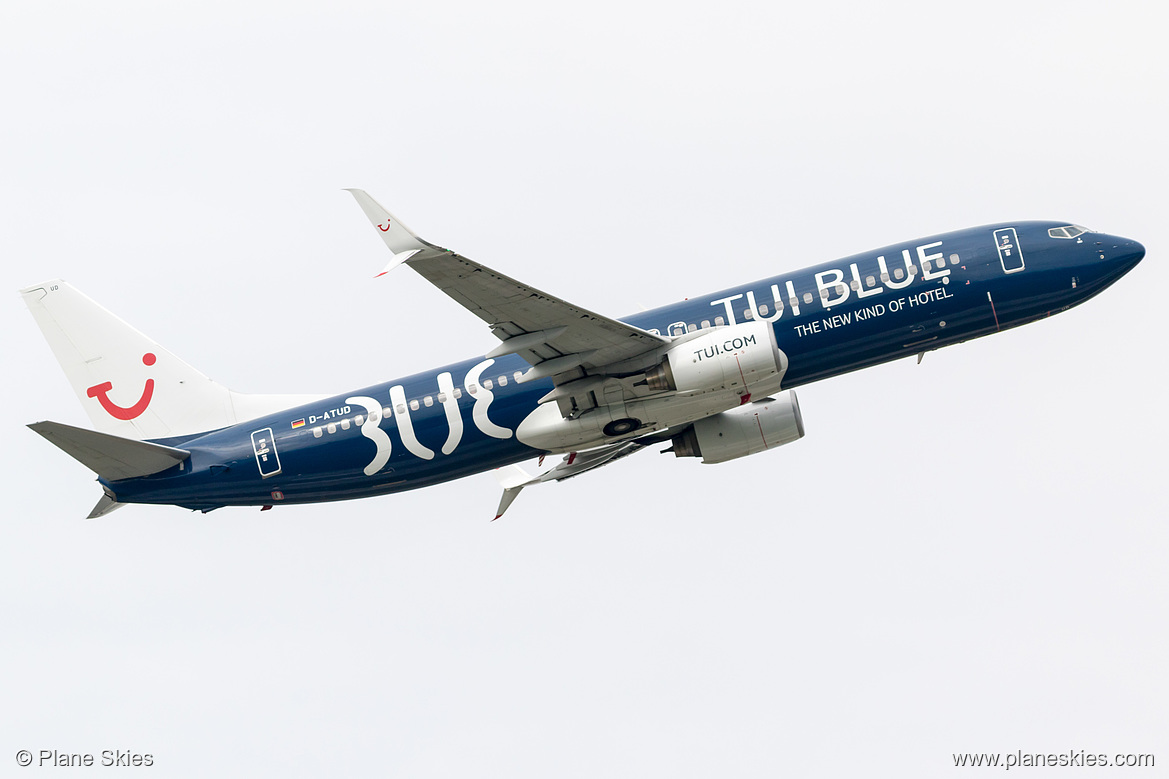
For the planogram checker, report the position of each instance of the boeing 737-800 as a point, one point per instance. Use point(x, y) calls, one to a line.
point(712, 376)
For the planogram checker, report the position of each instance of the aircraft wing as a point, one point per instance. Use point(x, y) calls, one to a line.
point(558, 339)
point(514, 478)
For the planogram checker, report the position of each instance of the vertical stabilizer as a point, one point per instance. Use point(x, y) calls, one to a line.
point(129, 384)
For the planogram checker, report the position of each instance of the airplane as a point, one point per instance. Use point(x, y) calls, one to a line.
point(712, 376)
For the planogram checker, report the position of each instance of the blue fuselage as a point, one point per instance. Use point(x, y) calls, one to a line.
point(828, 319)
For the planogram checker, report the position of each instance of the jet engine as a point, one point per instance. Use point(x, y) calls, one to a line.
point(748, 429)
point(700, 374)
point(744, 358)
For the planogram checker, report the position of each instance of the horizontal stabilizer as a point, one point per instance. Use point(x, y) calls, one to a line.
point(109, 456)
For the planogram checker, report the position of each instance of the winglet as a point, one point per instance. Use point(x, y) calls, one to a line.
point(403, 243)
point(512, 478)
point(508, 496)
point(104, 506)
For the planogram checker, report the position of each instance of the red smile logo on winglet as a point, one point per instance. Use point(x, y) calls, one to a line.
point(100, 391)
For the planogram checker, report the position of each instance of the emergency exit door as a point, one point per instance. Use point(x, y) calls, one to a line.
point(264, 445)
point(1010, 255)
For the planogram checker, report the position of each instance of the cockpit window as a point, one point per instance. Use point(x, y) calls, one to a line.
point(1071, 231)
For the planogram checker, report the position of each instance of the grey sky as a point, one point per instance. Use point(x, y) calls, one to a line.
point(966, 555)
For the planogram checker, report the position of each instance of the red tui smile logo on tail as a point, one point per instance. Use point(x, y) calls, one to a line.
point(100, 391)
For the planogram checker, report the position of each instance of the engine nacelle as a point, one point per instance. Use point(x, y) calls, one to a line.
point(745, 430)
point(743, 358)
point(706, 371)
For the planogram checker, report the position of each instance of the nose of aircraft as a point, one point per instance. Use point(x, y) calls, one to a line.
point(1117, 255)
point(1127, 254)
point(1136, 251)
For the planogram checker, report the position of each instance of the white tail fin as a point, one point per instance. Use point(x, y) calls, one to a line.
point(130, 385)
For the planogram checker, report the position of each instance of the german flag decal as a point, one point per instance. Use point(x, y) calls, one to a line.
point(298, 423)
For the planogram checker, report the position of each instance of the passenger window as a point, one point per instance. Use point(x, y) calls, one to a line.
point(912, 270)
point(870, 282)
point(317, 432)
point(373, 416)
point(898, 273)
point(487, 384)
point(807, 298)
point(503, 381)
point(885, 277)
point(854, 284)
point(690, 328)
point(719, 321)
point(823, 294)
point(400, 408)
point(359, 420)
point(748, 313)
point(428, 401)
point(387, 413)
point(344, 424)
point(414, 405)
point(926, 266)
point(763, 309)
point(953, 259)
point(442, 397)
point(472, 388)
point(331, 427)
point(705, 324)
point(458, 393)
point(517, 375)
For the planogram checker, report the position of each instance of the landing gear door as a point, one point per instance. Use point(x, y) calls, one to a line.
point(264, 445)
point(1010, 255)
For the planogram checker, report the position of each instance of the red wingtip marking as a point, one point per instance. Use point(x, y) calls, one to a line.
point(381, 274)
point(497, 516)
